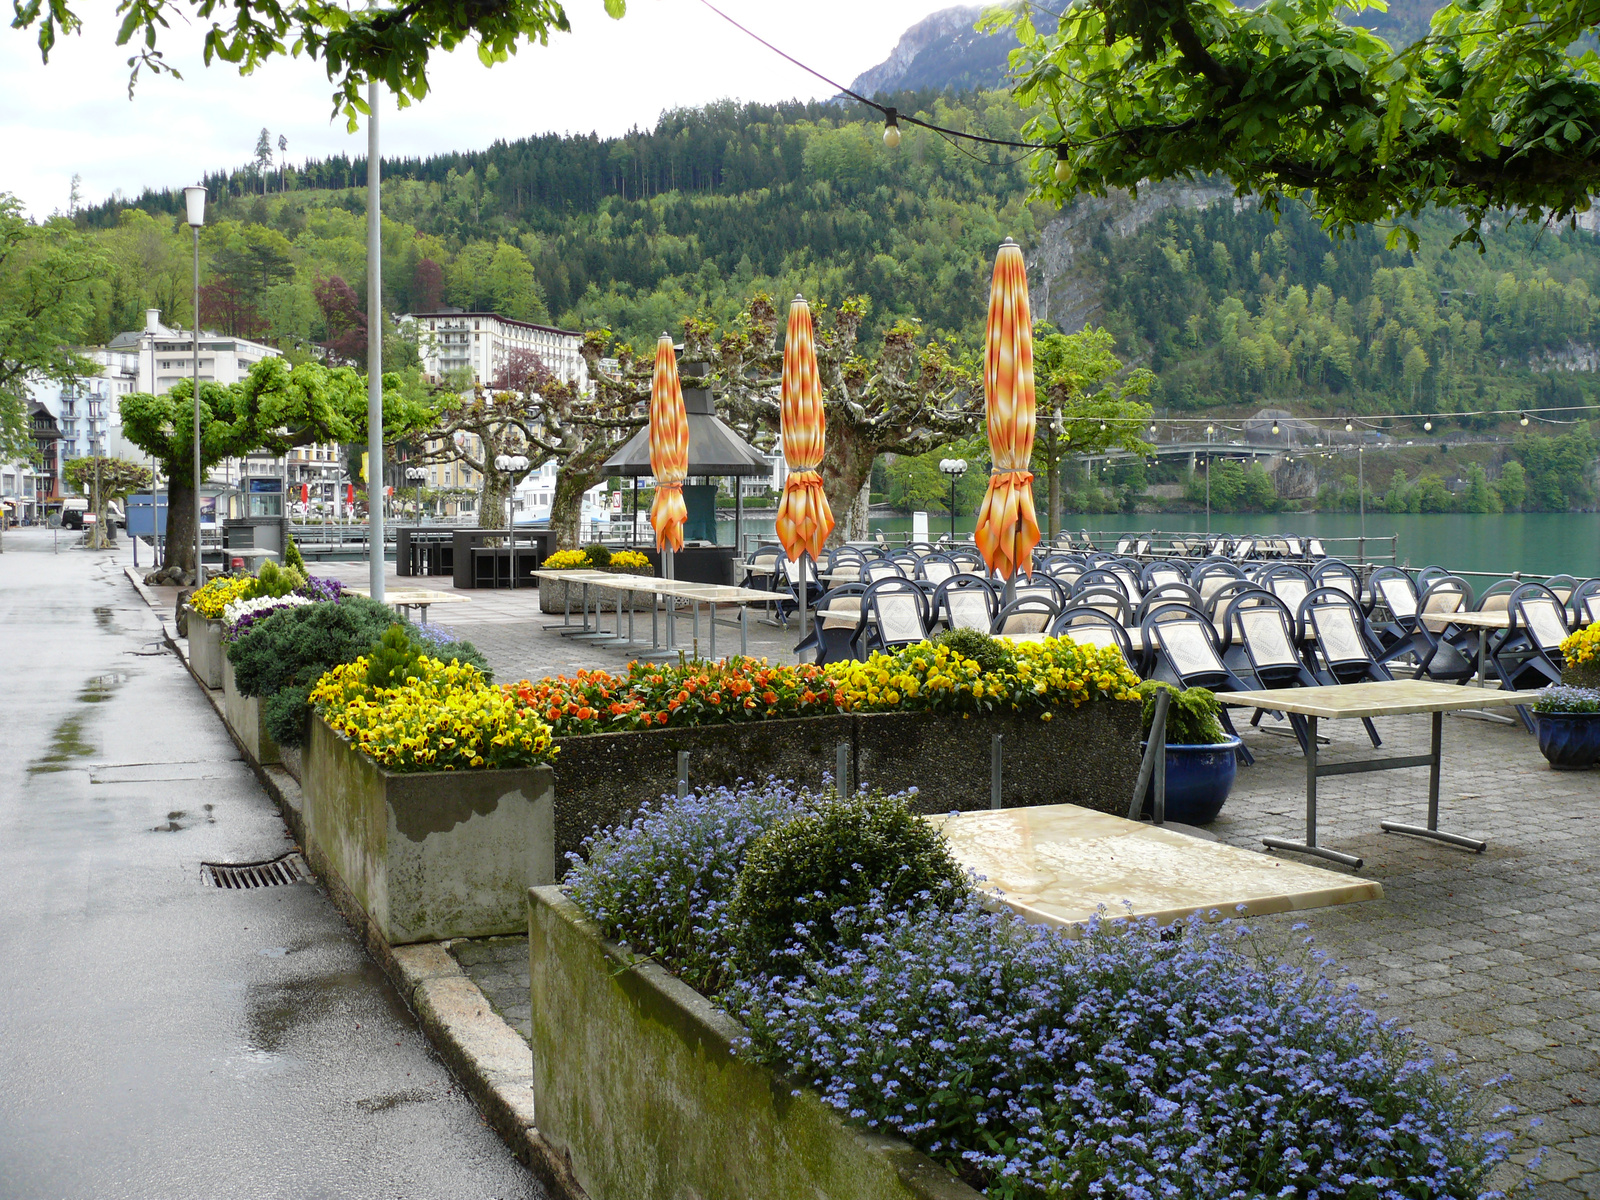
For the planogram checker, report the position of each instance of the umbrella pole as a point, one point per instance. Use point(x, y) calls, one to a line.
point(805, 588)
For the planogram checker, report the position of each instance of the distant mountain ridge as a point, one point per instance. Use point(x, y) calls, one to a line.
point(941, 51)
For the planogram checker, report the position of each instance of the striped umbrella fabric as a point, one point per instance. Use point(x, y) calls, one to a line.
point(1007, 528)
point(669, 448)
point(804, 518)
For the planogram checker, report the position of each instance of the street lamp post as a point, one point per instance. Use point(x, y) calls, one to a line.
point(510, 464)
point(194, 199)
point(955, 468)
point(417, 475)
point(374, 353)
point(1210, 429)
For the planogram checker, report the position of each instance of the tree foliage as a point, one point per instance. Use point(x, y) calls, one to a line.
point(46, 273)
point(390, 45)
point(1292, 98)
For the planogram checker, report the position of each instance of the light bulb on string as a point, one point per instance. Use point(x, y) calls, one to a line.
point(1349, 428)
point(891, 128)
point(1524, 418)
point(1063, 168)
point(1427, 426)
point(1274, 429)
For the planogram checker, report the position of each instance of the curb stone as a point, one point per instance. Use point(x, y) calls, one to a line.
point(487, 1057)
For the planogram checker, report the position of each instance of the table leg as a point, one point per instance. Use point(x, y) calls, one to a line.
point(423, 609)
point(744, 631)
point(713, 633)
point(1309, 846)
point(696, 628)
point(1436, 759)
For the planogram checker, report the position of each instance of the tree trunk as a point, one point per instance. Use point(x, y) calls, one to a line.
point(566, 507)
point(846, 466)
point(180, 525)
point(497, 489)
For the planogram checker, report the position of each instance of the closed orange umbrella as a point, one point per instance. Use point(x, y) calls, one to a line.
point(804, 518)
point(669, 449)
point(1007, 529)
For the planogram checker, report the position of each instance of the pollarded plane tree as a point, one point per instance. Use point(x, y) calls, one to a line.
point(1492, 111)
point(104, 479)
point(528, 412)
point(275, 408)
point(908, 398)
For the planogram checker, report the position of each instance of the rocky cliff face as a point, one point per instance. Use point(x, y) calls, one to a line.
point(1065, 289)
point(941, 51)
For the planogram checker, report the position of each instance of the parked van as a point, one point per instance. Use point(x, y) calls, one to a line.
point(75, 513)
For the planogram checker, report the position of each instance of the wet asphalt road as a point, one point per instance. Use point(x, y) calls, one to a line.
point(159, 1038)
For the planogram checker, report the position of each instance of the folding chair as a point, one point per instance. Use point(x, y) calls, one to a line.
point(1562, 586)
point(1443, 653)
point(1288, 583)
point(1427, 575)
point(934, 569)
point(1042, 585)
point(1333, 572)
point(1091, 627)
point(1332, 627)
point(1267, 634)
point(1212, 574)
point(1529, 655)
point(1110, 600)
point(1181, 648)
point(765, 556)
point(882, 568)
point(969, 562)
point(1157, 573)
point(1166, 593)
point(964, 602)
point(896, 615)
point(835, 638)
point(1395, 591)
point(1584, 605)
point(1026, 614)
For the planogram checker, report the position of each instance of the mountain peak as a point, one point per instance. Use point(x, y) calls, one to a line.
point(941, 51)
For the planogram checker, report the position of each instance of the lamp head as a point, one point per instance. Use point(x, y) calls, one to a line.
point(194, 201)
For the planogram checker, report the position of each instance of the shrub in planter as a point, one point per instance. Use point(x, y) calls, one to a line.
point(1119, 1059)
point(1202, 759)
point(599, 556)
point(280, 657)
point(992, 655)
point(799, 875)
point(1568, 723)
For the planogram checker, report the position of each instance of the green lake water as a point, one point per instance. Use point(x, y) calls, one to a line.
point(1534, 543)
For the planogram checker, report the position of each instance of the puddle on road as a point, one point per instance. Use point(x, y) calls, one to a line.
point(67, 741)
point(104, 619)
point(173, 823)
point(377, 1104)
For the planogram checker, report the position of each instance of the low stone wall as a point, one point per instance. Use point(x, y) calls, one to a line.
point(1087, 756)
point(244, 717)
point(428, 856)
point(637, 1086)
point(205, 649)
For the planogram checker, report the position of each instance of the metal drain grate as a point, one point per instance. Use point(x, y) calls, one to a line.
point(272, 872)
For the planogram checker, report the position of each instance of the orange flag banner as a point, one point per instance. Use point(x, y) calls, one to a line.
point(1007, 528)
point(669, 448)
point(804, 518)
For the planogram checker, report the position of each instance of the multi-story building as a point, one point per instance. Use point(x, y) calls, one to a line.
point(452, 341)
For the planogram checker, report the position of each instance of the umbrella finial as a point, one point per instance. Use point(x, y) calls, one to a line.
point(799, 298)
point(1008, 242)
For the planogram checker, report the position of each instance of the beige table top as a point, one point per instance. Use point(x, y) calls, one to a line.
point(1055, 864)
point(412, 597)
point(1494, 619)
point(705, 593)
point(1402, 697)
point(571, 576)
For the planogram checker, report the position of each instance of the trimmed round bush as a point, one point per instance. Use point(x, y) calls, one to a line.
point(797, 876)
point(599, 556)
point(990, 653)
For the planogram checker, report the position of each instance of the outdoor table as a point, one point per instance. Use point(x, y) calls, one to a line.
point(1402, 697)
point(1483, 622)
point(409, 598)
point(709, 594)
point(1059, 864)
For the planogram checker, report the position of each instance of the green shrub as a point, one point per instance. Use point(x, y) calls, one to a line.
point(1191, 717)
point(599, 556)
point(293, 558)
point(991, 654)
point(803, 872)
point(282, 656)
point(392, 660)
point(276, 581)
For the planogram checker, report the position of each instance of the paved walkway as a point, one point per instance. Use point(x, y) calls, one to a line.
point(159, 1037)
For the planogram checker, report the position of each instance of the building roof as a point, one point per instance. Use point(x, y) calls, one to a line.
point(457, 312)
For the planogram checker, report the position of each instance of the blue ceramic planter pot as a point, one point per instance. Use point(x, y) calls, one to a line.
point(1569, 741)
point(1199, 779)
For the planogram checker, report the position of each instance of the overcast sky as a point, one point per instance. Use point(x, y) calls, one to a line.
point(74, 116)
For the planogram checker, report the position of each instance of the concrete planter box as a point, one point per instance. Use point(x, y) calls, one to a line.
point(430, 856)
point(245, 719)
point(1087, 756)
point(205, 649)
point(553, 598)
point(603, 778)
point(637, 1086)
